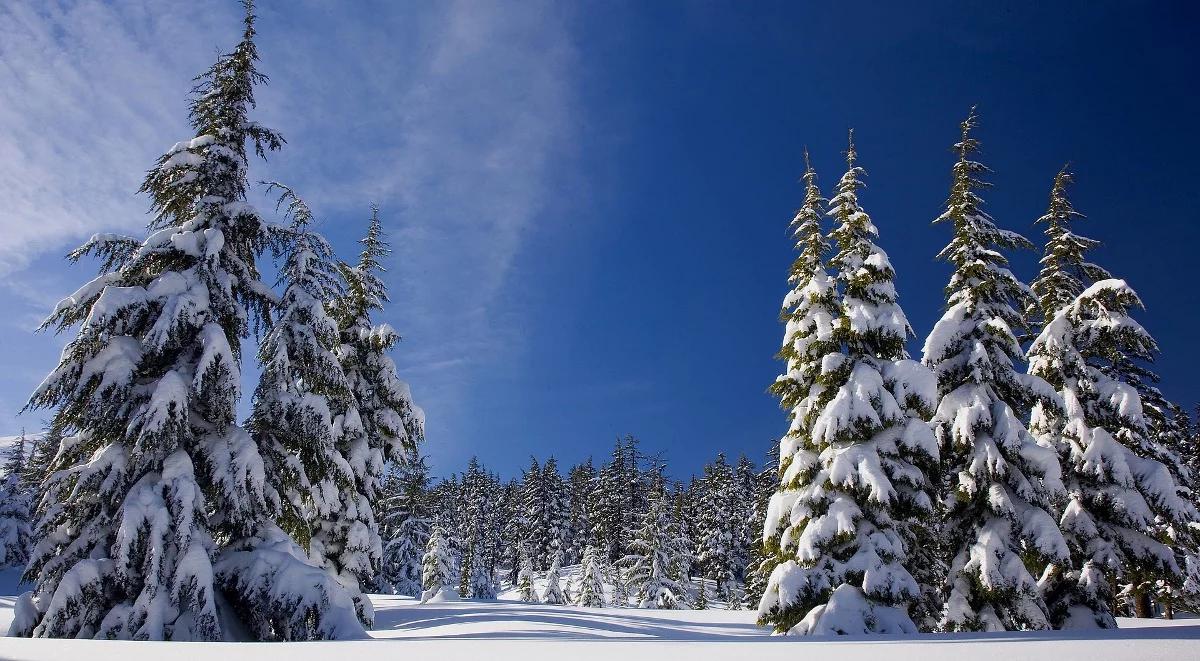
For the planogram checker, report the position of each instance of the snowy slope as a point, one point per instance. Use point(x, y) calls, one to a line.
point(504, 629)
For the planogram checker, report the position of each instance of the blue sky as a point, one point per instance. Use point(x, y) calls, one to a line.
point(589, 201)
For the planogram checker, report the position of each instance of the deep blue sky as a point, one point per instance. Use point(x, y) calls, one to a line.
point(590, 202)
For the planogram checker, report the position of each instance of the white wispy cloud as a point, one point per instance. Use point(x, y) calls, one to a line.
point(453, 116)
point(92, 94)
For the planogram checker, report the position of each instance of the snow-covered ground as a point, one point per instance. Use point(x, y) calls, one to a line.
point(507, 629)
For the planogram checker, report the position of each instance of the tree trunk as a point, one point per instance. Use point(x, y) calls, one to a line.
point(1141, 605)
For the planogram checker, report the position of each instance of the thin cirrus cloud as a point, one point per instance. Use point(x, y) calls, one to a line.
point(451, 116)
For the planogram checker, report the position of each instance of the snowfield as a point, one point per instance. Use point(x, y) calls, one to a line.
point(508, 629)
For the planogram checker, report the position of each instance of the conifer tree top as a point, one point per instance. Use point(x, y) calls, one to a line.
point(1065, 270)
point(806, 226)
point(365, 289)
point(872, 323)
point(981, 279)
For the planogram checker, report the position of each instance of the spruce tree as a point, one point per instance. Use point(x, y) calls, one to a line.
point(748, 526)
point(718, 526)
point(16, 532)
point(480, 584)
point(405, 526)
point(809, 313)
point(476, 525)
point(656, 557)
point(1117, 488)
point(438, 567)
point(620, 583)
point(1167, 429)
point(534, 504)
point(556, 511)
point(1000, 481)
point(513, 531)
point(858, 455)
point(701, 601)
point(591, 584)
point(760, 562)
point(301, 378)
point(525, 578)
point(581, 485)
point(377, 424)
point(553, 594)
point(161, 501)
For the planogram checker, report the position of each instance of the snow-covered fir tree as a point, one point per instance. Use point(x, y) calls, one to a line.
point(656, 556)
point(533, 510)
point(857, 457)
point(620, 585)
point(513, 540)
point(291, 420)
point(1167, 429)
point(718, 526)
point(700, 601)
point(590, 591)
point(404, 526)
point(479, 532)
point(684, 523)
point(581, 484)
point(553, 594)
point(1116, 487)
point(1001, 483)
point(809, 310)
point(479, 582)
point(556, 513)
point(16, 531)
point(439, 568)
point(525, 577)
point(760, 561)
point(748, 526)
point(618, 500)
point(160, 501)
point(377, 424)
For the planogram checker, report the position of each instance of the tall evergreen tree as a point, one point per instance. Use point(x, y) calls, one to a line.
point(809, 312)
point(534, 503)
point(405, 526)
point(718, 526)
point(760, 561)
point(377, 424)
point(591, 583)
point(1116, 485)
point(656, 554)
point(16, 532)
point(1001, 483)
point(525, 576)
point(439, 570)
point(556, 512)
point(513, 528)
point(748, 525)
point(553, 594)
point(858, 455)
point(581, 485)
point(477, 526)
point(291, 420)
point(161, 501)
